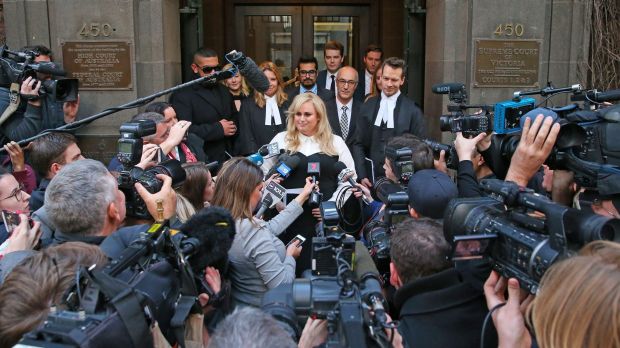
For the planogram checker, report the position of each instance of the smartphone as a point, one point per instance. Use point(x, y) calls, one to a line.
point(12, 220)
point(299, 238)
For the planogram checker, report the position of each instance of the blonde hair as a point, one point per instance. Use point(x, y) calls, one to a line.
point(323, 136)
point(185, 209)
point(236, 181)
point(245, 89)
point(578, 304)
point(281, 96)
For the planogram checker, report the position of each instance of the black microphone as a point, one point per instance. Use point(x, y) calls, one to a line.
point(209, 235)
point(346, 174)
point(48, 68)
point(446, 88)
point(366, 271)
point(253, 75)
point(596, 96)
point(285, 165)
point(264, 205)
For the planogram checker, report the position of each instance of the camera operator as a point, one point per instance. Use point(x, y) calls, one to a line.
point(35, 113)
point(437, 307)
point(83, 202)
point(421, 158)
point(472, 166)
point(168, 136)
point(576, 305)
point(36, 283)
point(430, 191)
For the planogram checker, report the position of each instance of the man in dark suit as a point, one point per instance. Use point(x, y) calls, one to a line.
point(333, 53)
point(437, 305)
point(383, 117)
point(210, 109)
point(343, 110)
point(307, 67)
point(372, 62)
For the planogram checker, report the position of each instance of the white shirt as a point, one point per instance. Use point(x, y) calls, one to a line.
point(328, 79)
point(386, 110)
point(349, 106)
point(271, 109)
point(309, 147)
point(368, 79)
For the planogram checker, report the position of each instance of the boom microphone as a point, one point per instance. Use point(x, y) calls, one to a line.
point(250, 71)
point(214, 228)
point(446, 88)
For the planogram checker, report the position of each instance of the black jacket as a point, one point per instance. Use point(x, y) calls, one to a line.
point(371, 140)
point(205, 107)
point(252, 130)
point(334, 121)
point(292, 91)
point(360, 90)
point(442, 310)
point(37, 197)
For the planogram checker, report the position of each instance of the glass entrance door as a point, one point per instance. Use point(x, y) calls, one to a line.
point(283, 33)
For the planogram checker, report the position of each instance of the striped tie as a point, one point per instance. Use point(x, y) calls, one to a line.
point(344, 122)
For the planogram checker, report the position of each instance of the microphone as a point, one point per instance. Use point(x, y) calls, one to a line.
point(446, 88)
point(286, 164)
point(598, 96)
point(209, 234)
point(253, 75)
point(366, 271)
point(346, 174)
point(264, 205)
point(48, 68)
point(259, 157)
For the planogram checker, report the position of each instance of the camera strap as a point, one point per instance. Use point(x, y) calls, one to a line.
point(13, 103)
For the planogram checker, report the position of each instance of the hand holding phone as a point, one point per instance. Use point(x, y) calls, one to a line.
point(299, 238)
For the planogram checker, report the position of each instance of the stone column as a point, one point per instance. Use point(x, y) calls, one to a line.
point(455, 28)
point(91, 34)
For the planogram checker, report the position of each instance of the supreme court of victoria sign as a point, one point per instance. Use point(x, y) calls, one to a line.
point(506, 63)
point(99, 65)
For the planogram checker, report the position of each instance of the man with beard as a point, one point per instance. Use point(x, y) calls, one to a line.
point(210, 109)
point(308, 72)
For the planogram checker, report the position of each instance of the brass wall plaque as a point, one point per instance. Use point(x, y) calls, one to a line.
point(99, 65)
point(506, 63)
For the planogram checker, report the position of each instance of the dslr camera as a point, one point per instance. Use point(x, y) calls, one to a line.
point(520, 245)
point(18, 66)
point(129, 154)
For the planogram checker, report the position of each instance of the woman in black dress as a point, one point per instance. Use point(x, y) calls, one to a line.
point(263, 116)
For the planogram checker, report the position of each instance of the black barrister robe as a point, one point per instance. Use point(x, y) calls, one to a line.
point(253, 133)
point(371, 140)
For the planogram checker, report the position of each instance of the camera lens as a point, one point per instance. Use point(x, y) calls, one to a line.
point(445, 123)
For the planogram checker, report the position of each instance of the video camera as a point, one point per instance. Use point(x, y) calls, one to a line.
point(586, 144)
point(18, 66)
point(129, 154)
point(155, 279)
point(520, 244)
point(457, 120)
point(350, 300)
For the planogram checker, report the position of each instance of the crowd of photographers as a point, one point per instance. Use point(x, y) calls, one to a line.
point(503, 238)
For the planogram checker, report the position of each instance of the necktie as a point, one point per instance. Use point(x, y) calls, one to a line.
point(344, 122)
point(332, 87)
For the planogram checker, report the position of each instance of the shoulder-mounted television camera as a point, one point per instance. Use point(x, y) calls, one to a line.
point(18, 66)
point(522, 232)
